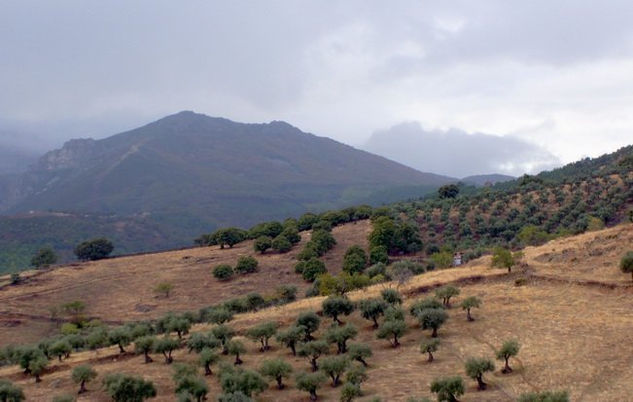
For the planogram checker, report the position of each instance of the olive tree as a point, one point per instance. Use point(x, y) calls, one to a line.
point(445, 293)
point(121, 337)
point(340, 335)
point(313, 350)
point(510, 348)
point(61, 349)
point(208, 357)
point(470, 303)
point(276, 369)
point(310, 322)
point(291, 337)
point(448, 389)
point(262, 333)
point(202, 340)
point(310, 382)
point(83, 374)
point(429, 346)
point(224, 334)
point(127, 388)
point(392, 330)
point(359, 352)
point(166, 346)
point(432, 318)
point(10, 392)
point(372, 309)
point(476, 368)
point(391, 296)
point(247, 382)
point(236, 348)
point(144, 345)
point(335, 367)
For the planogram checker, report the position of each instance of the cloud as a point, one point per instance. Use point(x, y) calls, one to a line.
point(457, 153)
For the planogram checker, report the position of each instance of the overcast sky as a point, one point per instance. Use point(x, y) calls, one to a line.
point(558, 74)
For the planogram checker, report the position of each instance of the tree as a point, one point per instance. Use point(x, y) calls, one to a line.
point(423, 304)
point(207, 358)
point(291, 337)
point(95, 249)
point(475, 369)
point(432, 318)
point(200, 340)
point(355, 260)
point(83, 374)
point(378, 254)
point(236, 348)
point(61, 349)
point(75, 310)
point(144, 345)
point(224, 334)
point(246, 265)
point(310, 322)
point(502, 258)
point(335, 367)
point(445, 293)
point(245, 381)
point(223, 272)
point(359, 352)
point(262, 333)
point(10, 392)
point(281, 244)
point(127, 388)
point(276, 369)
point(218, 315)
point(313, 350)
point(166, 346)
point(448, 388)
point(391, 296)
point(469, 303)
point(44, 258)
point(545, 396)
point(334, 306)
point(191, 387)
point(310, 382)
point(179, 325)
point(262, 243)
point(372, 309)
point(626, 263)
point(121, 337)
point(392, 330)
point(510, 348)
point(448, 191)
point(349, 392)
point(312, 269)
point(164, 289)
point(356, 374)
point(229, 237)
point(429, 346)
point(340, 335)
point(37, 367)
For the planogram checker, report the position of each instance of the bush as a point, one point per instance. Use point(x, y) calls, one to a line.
point(126, 388)
point(378, 254)
point(223, 272)
point(378, 268)
point(312, 269)
point(10, 392)
point(286, 293)
point(246, 265)
point(626, 263)
point(164, 289)
point(349, 392)
point(281, 244)
point(262, 244)
point(44, 257)
point(443, 259)
point(545, 396)
point(95, 249)
point(355, 260)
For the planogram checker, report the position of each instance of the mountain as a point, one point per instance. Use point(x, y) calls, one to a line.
point(189, 173)
point(457, 153)
point(15, 160)
point(487, 179)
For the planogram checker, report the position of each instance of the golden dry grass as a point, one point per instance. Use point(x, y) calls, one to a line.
point(574, 325)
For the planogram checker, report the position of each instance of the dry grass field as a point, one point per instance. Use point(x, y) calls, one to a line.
point(573, 318)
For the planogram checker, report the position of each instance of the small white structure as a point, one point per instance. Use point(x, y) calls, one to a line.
point(457, 259)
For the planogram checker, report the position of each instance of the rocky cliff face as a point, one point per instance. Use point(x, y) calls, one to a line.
point(72, 155)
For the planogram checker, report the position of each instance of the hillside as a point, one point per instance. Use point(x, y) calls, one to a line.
point(487, 179)
point(189, 173)
point(547, 312)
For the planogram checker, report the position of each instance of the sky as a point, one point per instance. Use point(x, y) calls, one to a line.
point(555, 76)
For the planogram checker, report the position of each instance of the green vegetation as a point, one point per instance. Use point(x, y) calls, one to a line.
point(223, 272)
point(44, 258)
point(310, 382)
point(510, 348)
point(448, 388)
point(334, 306)
point(83, 374)
point(470, 303)
point(476, 368)
point(127, 388)
point(95, 249)
point(428, 347)
point(626, 263)
point(276, 369)
point(246, 265)
point(545, 396)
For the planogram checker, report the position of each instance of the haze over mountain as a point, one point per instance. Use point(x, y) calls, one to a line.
point(457, 153)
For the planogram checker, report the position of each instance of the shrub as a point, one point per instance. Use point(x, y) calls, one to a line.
point(349, 392)
point(378, 254)
point(469, 303)
point(442, 259)
point(191, 388)
point(286, 293)
point(262, 244)
point(126, 388)
point(334, 306)
point(312, 269)
point(246, 265)
point(276, 369)
point(82, 375)
point(377, 269)
point(545, 396)
point(223, 272)
point(254, 301)
point(359, 352)
point(10, 392)
point(164, 289)
point(44, 258)
point(310, 382)
point(510, 348)
point(626, 263)
point(475, 369)
point(448, 388)
point(281, 244)
point(95, 249)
